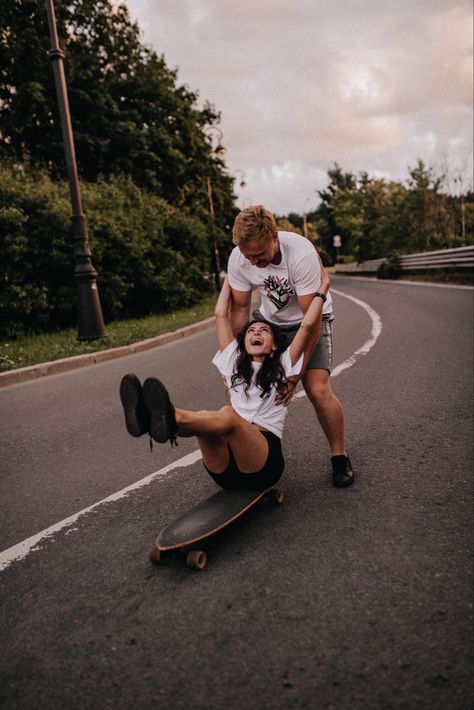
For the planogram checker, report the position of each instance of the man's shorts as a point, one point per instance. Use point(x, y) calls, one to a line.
point(321, 357)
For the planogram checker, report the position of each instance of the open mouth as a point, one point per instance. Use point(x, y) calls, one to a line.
point(256, 341)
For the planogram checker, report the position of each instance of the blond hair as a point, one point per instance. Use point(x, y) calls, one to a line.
point(252, 224)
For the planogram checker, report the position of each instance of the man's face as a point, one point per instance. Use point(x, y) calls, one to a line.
point(261, 252)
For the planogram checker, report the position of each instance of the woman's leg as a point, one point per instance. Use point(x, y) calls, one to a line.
point(213, 428)
point(215, 453)
point(217, 430)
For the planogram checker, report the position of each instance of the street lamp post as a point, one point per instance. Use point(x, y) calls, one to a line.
point(219, 151)
point(240, 178)
point(211, 132)
point(305, 219)
point(240, 175)
point(90, 320)
point(217, 258)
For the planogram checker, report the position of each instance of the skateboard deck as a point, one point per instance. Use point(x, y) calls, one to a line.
point(203, 520)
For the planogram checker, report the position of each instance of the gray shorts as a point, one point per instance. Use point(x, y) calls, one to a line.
point(321, 357)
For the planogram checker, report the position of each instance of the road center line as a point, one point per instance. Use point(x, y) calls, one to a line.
point(366, 347)
point(22, 549)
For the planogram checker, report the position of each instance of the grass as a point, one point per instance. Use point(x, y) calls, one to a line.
point(34, 349)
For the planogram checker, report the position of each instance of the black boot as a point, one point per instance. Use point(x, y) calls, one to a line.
point(137, 417)
point(342, 473)
point(163, 425)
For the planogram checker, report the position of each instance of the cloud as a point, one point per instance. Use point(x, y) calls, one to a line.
point(302, 84)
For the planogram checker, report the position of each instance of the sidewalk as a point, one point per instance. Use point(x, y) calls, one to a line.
point(24, 374)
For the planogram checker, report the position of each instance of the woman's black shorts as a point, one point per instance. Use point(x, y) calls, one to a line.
point(232, 479)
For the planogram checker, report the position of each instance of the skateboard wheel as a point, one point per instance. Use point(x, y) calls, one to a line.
point(276, 496)
point(155, 555)
point(196, 559)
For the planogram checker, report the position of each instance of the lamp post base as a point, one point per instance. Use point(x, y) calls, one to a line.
point(90, 324)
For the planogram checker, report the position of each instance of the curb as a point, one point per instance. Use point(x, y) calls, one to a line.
point(33, 372)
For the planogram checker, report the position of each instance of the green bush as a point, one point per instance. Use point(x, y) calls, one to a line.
point(390, 268)
point(150, 257)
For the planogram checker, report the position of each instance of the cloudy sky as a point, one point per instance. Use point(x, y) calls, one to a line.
point(301, 84)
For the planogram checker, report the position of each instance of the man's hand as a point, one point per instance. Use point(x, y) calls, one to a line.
point(285, 395)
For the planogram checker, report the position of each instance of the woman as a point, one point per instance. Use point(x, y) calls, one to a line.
point(240, 443)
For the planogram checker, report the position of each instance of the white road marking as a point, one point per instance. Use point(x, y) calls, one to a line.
point(22, 549)
point(366, 347)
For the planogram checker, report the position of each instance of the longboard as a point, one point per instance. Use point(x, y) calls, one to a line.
point(203, 520)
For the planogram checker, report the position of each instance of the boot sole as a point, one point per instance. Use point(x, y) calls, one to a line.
point(136, 416)
point(158, 404)
point(345, 483)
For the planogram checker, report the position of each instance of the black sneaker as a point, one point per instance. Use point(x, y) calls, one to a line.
point(163, 425)
point(342, 473)
point(137, 417)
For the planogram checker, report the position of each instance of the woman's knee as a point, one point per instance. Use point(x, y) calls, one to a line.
point(228, 416)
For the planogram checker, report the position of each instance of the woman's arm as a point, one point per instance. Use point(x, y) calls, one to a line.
point(239, 309)
point(221, 314)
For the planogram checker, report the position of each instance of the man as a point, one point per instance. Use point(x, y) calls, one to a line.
point(286, 270)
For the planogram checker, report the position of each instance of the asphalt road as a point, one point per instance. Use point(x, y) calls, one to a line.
point(356, 599)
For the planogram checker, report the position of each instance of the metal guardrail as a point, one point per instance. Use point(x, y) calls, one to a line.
point(459, 258)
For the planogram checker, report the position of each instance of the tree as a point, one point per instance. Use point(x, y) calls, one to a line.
point(377, 218)
point(285, 225)
point(129, 114)
point(423, 204)
point(324, 216)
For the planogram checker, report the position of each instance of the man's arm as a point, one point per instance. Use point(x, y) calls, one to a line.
point(285, 397)
point(239, 309)
point(305, 302)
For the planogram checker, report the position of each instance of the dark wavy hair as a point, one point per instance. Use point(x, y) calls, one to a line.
point(271, 373)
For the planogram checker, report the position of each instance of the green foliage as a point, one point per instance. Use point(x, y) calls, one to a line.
point(32, 266)
point(287, 226)
point(151, 257)
point(376, 218)
point(390, 269)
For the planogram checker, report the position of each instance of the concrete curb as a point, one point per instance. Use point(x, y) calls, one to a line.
point(33, 372)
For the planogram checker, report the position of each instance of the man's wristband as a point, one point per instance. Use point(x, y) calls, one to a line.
point(321, 295)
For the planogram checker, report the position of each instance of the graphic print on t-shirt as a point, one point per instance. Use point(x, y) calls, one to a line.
point(278, 291)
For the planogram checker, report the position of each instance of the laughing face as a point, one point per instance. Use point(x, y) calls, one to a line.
point(259, 341)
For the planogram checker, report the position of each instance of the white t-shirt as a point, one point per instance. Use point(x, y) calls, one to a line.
point(298, 274)
point(251, 407)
